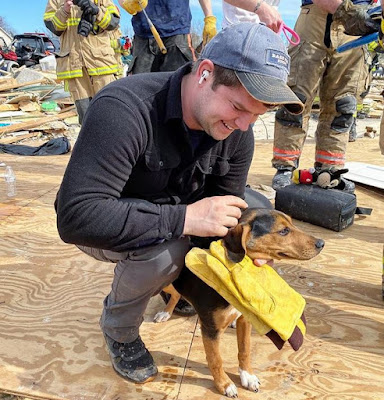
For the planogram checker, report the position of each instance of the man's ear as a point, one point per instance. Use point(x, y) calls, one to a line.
point(205, 65)
point(233, 242)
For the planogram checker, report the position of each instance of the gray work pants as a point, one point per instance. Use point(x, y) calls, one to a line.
point(139, 275)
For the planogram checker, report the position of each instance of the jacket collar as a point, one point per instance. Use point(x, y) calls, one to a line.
point(173, 101)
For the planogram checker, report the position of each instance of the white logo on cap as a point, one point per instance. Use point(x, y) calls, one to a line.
point(280, 58)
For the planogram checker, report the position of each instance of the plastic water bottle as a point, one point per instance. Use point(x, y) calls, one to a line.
point(10, 181)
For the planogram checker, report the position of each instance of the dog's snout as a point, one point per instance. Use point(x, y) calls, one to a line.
point(319, 244)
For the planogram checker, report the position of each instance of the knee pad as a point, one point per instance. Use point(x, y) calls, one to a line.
point(284, 117)
point(347, 108)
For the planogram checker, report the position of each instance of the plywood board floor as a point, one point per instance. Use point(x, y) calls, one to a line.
point(51, 297)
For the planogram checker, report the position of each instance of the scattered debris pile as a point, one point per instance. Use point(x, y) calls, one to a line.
point(34, 105)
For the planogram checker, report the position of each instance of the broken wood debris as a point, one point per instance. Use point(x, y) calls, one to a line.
point(33, 124)
point(33, 104)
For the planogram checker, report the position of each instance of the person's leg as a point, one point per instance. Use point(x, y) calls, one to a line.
point(143, 56)
point(139, 275)
point(81, 91)
point(137, 278)
point(338, 106)
point(338, 102)
point(308, 64)
point(99, 81)
point(179, 52)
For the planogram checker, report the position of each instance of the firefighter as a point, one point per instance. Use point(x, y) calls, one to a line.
point(315, 64)
point(86, 61)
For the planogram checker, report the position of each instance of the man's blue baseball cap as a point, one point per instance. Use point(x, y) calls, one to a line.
point(260, 60)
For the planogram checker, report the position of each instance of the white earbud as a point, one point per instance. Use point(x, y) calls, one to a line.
point(204, 76)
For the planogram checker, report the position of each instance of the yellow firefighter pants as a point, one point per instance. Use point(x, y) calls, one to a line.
point(87, 86)
point(84, 88)
point(316, 67)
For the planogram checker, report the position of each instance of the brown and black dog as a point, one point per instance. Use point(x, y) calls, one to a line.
point(263, 235)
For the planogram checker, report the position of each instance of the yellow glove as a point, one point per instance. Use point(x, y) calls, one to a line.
point(209, 29)
point(133, 6)
point(372, 46)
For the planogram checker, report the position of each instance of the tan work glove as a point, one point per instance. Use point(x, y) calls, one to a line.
point(133, 6)
point(209, 29)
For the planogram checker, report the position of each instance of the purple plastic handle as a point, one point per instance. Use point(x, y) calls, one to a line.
point(292, 37)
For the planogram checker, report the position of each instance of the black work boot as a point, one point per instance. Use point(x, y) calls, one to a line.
point(132, 360)
point(282, 178)
point(182, 308)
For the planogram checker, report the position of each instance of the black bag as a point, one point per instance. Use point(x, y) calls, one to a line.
point(330, 208)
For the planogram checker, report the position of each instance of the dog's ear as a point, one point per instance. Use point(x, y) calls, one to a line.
point(234, 243)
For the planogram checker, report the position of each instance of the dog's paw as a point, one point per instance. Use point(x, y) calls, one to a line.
point(162, 316)
point(249, 381)
point(231, 390)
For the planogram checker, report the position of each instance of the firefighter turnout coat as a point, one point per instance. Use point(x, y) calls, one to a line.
point(93, 52)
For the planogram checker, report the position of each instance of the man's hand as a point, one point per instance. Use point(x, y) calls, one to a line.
point(87, 6)
point(355, 18)
point(209, 29)
point(213, 216)
point(133, 6)
point(67, 6)
point(270, 16)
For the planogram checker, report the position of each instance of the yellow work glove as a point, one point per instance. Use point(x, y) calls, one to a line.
point(209, 29)
point(133, 6)
point(372, 46)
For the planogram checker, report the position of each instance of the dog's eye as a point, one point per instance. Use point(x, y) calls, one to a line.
point(284, 231)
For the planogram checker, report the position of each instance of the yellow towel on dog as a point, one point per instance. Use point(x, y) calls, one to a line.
point(259, 293)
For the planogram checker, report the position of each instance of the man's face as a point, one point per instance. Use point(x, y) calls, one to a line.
point(221, 111)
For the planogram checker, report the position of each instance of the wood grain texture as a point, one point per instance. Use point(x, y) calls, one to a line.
point(51, 298)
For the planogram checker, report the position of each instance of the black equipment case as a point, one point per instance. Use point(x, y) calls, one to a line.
point(330, 208)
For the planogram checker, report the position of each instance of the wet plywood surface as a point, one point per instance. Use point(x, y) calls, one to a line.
point(51, 297)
